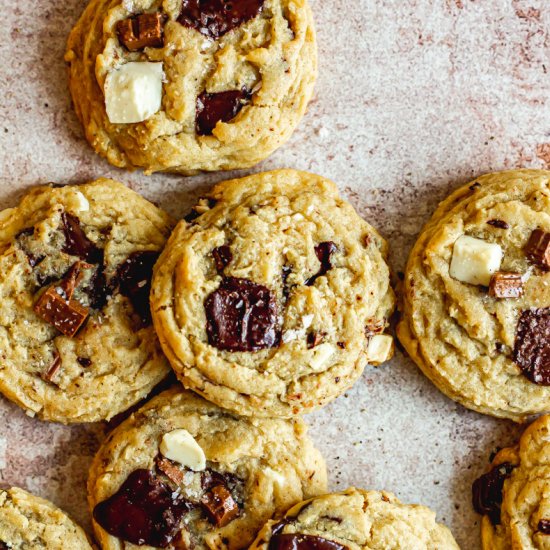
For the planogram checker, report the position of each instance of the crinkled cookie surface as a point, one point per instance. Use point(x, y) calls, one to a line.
point(356, 520)
point(266, 299)
point(489, 353)
point(236, 81)
point(76, 339)
point(263, 465)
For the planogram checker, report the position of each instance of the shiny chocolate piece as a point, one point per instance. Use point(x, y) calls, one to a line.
point(219, 107)
point(297, 541)
point(76, 242)
point(532, 345)
point(142, 31)
point(487, 491)
point(219, 505)
point(537, 249)
point(143, 511)
point(323, 251)
point(242, 316)
point(506, 285)
point(214, 18)
point(134, 281)
point(222, 257)
point(169, 469)
point(501, 224)
point(544, 526)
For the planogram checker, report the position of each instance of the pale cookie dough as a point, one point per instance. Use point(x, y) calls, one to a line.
point(356, 520)
point(226, 476)
point(273, 295)
point(28, 522)
point(484, 339)
point(76, 339)
point(231, 89)
point(514, 496)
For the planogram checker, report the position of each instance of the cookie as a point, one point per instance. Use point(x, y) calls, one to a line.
point(191, 85)
point(182, 473)
point(514, 495)
point(76, 339)
point(28, 522)
point(272, 295)
point(476, 295)
point(354, 520)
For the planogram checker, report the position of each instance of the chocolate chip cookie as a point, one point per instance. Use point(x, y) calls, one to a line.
point(188, 85)
point(476, 315)
point(514, 495)
point(28, 522)
point(182, 473)
point(272, 295)
point(76, 339)
point(355, 520)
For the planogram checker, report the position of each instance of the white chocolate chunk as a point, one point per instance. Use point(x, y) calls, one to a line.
point(321, 354)
point(380, 349)
point(133, 92)
point(475, 260)
point(79, 203)
point(180, 446)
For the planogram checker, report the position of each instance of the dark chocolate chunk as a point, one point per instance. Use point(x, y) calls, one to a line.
point(219, 505)
point(76, 242)
point(314, 339)
point(98, 289)
point(134, 281)
point(501, 224)
point(323, 252)
point(532, 345)
point(73, 277)
point(214, 18)
point(4, 546)
point(169, 469)
point(544, 526)
point(143, 511)
point(538, 248)
point(84, 361)
point(66, 315)
point(53, 368)
point(142, 31)
point(487, 491)
point(297, 541)
point(242, 316)
point(210, 478)
point(222, 257)
point(506, 285)
point(220, 107)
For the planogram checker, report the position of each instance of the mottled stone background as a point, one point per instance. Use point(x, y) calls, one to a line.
point(414, 98)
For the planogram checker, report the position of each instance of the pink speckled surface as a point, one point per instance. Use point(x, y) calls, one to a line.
point(414, 98)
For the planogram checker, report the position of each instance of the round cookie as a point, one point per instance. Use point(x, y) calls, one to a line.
point(183, 86)
point(76, 339)
point(28, 522)
point(514, 495)
point(191, 475)
point(476, 295)
point(355, 520)
point(272, 295)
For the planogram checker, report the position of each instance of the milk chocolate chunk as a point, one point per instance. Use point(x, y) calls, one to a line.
point(169, 469)
point(222, 257)
point(219, 107)
point(544, 526)
point(76, 241)
point(296, 541)
point(487, 491)
point(538, 248)
point(323, 251)
point(142, 31)
point(242, 316)
point(214, 18)
point(53, 368)
point(66, 315)
point(144, 511)
point(219, 506)
point(506, 285)
point(532, 345)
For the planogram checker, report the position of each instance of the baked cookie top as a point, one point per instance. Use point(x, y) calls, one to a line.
point(76, 339)
point(183, 473)
point(476, 298)
point(28, 522)
point(272, 295)
point(514, 495)
point(187, 85)
point(355, 520)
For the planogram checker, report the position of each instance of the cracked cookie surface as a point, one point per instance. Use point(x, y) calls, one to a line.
point(485, 347)
point(258, 466)
point(267, 297)
point(356, 520)
point(235, 81)
point(76, 339)
point(28, 522)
